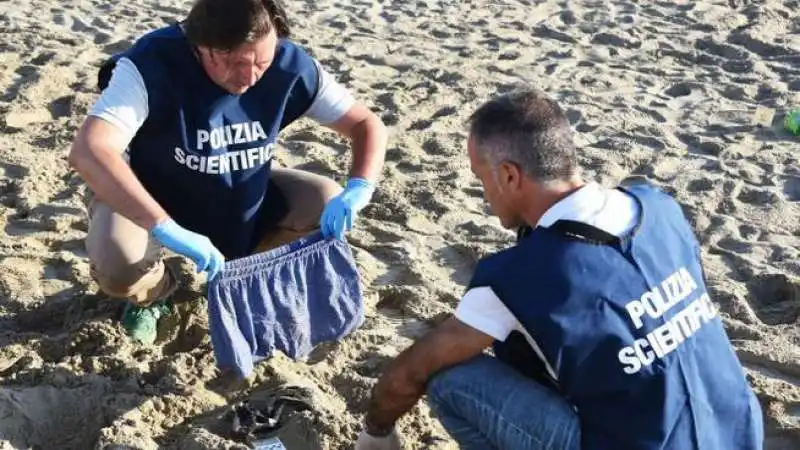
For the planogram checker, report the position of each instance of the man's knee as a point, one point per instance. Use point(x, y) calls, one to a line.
point(318, 193)
point(306, 195)
point(122, 278)
point(449, 380)
point(328, 189)
point(125, 269)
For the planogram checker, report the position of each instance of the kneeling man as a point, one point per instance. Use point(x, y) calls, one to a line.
point(604, 334)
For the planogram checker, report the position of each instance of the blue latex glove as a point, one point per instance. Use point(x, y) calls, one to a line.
point(341, 211)
point(194, 246)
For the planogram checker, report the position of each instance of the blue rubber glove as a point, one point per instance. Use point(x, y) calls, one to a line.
point(341, 211)
point(194, 246)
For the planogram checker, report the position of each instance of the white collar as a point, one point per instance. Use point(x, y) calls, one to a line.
point(586, 201)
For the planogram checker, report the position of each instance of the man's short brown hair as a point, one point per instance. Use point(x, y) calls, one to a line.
point(227, 24)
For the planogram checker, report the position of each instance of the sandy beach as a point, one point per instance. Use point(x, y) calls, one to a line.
point(664, 90)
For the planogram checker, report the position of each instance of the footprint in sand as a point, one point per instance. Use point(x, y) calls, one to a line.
point(419, 125)
point(434, 147)
point(749, 232)
point(758, 197)
point(424, 124)
point(460, 259)
point(568, 17)
point(775, 298)
point(615, 40)
point(696, 145)
point(791, 189)
point(354, 388)
point(445, 112)
point(655, 115)
point(43, 58)
point(573, 115)
point(409, 168)
point(545, 32)
point(52, 417)
point(700, 185)
point(10, 177)
point(679, 90)
point(371, 366)
point(735, 245)
point(62, 106)
point(389, 108)
point(26, 75)
point(409, 300)
point(509, 56)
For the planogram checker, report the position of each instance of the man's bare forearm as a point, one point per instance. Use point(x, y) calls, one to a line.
point(406, 378)
point(396, 392)
point(369, 148)
point(110, 178)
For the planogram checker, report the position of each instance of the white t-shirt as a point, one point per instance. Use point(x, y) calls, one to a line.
point(607, 209)
point(124, 102)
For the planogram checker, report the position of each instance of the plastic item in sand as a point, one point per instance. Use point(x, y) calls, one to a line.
point(792, 122)
point(273, 422)
point(763, 116)
point(269, 444)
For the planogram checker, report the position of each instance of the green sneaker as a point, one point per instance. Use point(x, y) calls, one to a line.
point(141, 322)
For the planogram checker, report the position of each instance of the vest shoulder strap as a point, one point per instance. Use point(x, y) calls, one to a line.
point(584, 232)
point(523, 232)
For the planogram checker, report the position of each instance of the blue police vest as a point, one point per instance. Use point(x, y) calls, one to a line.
point(204, 154)
point(629, 332)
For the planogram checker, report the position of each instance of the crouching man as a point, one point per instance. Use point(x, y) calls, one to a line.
point(604, 334)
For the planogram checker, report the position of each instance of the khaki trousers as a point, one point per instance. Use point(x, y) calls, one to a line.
point(126, 262)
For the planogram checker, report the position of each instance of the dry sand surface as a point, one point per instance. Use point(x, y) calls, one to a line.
point(661, 89)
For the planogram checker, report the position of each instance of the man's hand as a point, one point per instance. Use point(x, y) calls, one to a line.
point(367, 441)
point(405, 379)
point(341, 211)
point(194, 246)
point(368, 139)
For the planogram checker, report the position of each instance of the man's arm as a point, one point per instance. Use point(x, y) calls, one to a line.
point(96, 155)
point(405, 379)
point(101, 140)
point(368, 138)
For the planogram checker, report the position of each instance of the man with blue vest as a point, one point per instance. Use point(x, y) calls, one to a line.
point(604, 335)
point(177, 152)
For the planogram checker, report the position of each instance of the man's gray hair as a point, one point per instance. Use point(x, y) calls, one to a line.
point(528, 128)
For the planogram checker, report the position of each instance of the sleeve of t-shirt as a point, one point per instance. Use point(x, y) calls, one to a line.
point(332, 101)
point(123, 102)
point(481, 309)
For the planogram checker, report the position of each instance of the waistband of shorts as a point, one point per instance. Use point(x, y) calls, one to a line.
point(245, 266)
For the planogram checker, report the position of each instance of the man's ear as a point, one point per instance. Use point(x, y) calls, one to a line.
point(509, 177)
